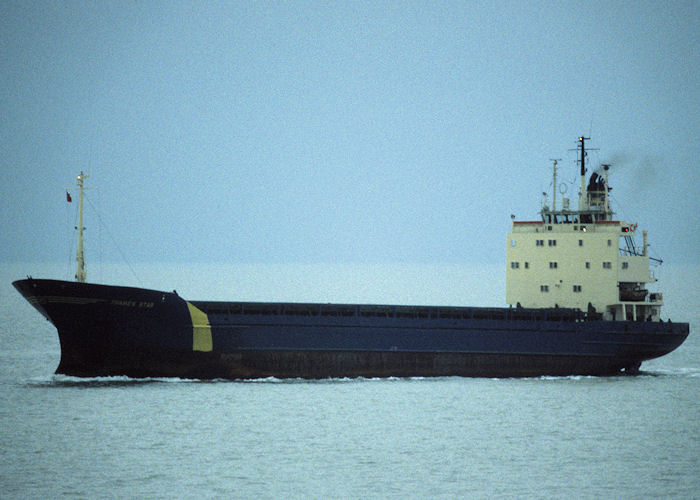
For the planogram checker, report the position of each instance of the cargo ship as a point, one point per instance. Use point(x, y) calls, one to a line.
point(575, 288)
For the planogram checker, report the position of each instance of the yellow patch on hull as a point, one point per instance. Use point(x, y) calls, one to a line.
point(201, 330)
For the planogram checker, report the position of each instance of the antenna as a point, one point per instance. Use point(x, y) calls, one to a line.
point(554, 183)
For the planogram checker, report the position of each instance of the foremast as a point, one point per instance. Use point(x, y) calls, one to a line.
point(80, 273)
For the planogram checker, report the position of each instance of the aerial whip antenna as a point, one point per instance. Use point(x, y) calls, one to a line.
point(554, 183)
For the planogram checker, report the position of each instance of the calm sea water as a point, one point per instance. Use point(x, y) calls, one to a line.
point(584, 437)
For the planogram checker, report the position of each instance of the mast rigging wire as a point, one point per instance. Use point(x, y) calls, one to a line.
point(114, 241)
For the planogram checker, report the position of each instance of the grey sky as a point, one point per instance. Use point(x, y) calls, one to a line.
point(338, 131)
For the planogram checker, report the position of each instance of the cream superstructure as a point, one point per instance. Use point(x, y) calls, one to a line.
point(581, 258)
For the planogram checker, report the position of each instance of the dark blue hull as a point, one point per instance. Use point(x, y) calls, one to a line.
point(109, 330)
